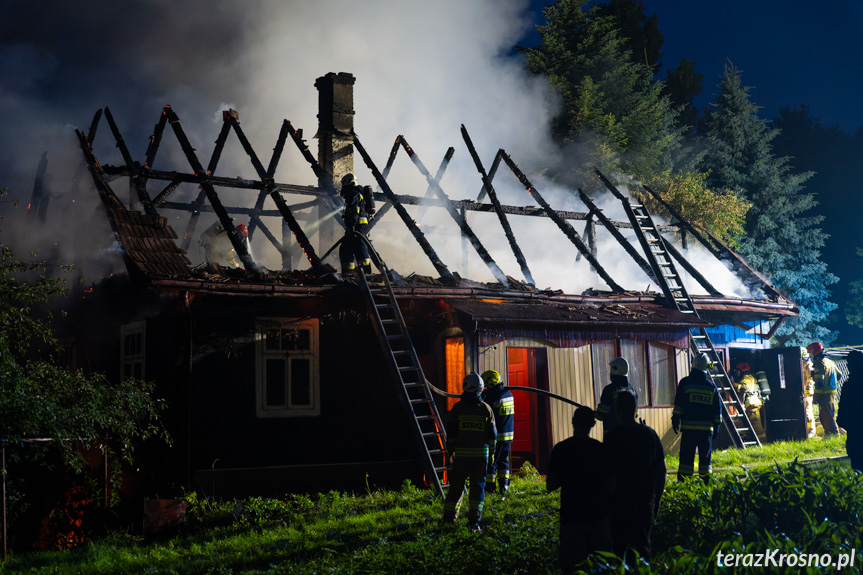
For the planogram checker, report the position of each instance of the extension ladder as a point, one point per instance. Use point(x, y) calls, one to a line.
point(733, 414)
point(395, 341)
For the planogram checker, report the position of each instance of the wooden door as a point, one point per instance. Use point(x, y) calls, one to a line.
point(518, 374)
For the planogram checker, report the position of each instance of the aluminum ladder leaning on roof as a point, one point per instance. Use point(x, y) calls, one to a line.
point(733, 414)
point(395, 341)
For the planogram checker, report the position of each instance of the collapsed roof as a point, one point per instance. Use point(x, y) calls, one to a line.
point(152, 254)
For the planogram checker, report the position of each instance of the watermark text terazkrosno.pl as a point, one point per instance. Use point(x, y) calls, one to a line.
point(775, 558)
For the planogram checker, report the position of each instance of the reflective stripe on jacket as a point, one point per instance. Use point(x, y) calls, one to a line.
point(503, 406)
point(696, 404)
point(470, 429)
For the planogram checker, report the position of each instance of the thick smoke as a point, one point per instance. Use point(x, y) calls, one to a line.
point(422, 70)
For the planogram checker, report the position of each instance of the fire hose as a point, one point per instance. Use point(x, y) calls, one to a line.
point(511, 388)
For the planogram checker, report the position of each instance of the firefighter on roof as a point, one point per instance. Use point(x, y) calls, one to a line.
point(471, 436)
point(697, 414)
point(825, 383)
point(619, 370)
point(750, 395)
point(503, 405)
point(359, 206)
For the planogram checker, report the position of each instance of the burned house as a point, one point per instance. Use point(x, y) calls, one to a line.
point(301, 379)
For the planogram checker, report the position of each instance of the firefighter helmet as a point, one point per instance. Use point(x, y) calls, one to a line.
point(815, 348)
point(243, 231)
point(702, 361)
point(348, 179)
point(491, 378)
point(619, 366)
point(743, 366)
point(472, 383)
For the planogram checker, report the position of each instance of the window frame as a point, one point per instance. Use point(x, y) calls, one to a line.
point(646, 396)
point(138, 358)
point(263, 355)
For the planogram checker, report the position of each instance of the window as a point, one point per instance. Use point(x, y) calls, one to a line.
point(602, 354)
point(633, 352)
point(662, 373)
point(132, 338)
point(287, 373)
point(652, 369)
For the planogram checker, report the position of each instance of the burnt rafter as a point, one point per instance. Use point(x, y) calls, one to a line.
point(437, 178)
point(139, 181)
point(212, 196)
point(564, 226)
point(412, 227)
point(325, 179)
point(270, 186)
point(456, 215)
point(717, 247)
point(672, 251)
point(211, 167)
point(612, 229)
point(501, 216)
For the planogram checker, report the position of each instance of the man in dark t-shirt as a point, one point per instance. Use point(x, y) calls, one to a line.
point(639, 471)
point(581, 468)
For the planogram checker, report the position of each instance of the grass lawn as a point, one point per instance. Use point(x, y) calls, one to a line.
point(786, 507)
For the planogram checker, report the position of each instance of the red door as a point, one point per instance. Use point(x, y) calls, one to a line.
point(518, 374)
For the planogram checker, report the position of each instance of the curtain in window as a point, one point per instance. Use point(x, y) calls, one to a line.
point(602, 352)
point(663, 374)
point(633, 352)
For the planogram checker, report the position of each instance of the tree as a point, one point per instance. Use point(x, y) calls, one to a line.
point(722, 214)
point(683, 85)
point(609, 101)
point(782, 238)
point(829, 151)
point(643, 37)
point(40, 399)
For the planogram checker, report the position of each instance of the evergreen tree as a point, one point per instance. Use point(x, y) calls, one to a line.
point(642, 35)
point(782, 238)
point(683, 85)
point(609, 101)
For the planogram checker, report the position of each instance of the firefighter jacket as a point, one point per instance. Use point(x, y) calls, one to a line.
point(358, 204)
point(824, 374)
point(749, 391)
point(470, 429)
point(605, 409)
point(503, 406)
point(696, 404)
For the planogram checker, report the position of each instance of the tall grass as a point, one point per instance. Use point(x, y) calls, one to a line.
point(400, 531)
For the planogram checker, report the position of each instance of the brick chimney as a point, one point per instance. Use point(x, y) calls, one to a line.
point(335, 143)
point(335, 123)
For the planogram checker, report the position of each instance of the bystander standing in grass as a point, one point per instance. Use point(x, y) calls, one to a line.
point(850, 416)
point(580, 467)
point(639, 470)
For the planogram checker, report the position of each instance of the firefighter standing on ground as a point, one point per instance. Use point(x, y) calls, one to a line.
point(750, 395)
point(697, 414)
point(503, 405)
point(359, 206)
point(619, 370)
point(471, 436)
point(825, 379)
